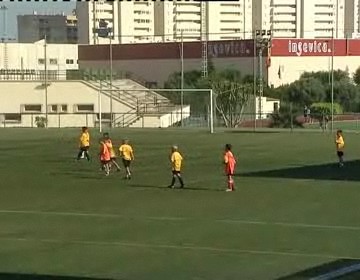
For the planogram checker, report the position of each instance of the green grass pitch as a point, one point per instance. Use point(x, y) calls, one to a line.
point(293, 210)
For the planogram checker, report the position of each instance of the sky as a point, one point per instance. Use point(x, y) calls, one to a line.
point(22, 8)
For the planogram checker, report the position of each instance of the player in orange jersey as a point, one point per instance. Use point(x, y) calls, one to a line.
point(109, 143)
point(105, 157)
point(230, 162)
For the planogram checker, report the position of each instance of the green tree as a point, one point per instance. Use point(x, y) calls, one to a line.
point(231, 99)
point(198, 101)
point(356, 77)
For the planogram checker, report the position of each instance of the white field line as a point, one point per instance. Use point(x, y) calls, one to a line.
point(181, 247)
point(164, 218)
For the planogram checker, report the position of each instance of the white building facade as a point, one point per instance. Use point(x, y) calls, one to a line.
point(26, 61)
point(352, 23)
point(220, 20)
point(301, 18)
point(123, 22)
point(143, 21)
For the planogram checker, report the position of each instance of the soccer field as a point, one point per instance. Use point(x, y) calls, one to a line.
point(294, 210)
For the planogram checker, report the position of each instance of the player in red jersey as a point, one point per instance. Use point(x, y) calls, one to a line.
point(230, 162)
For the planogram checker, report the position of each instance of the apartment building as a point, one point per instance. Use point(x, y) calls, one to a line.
point(122, 22)
point(142, 22)
point(352, 14)
point(301, 18)
point(60, 29)
point(219, 20)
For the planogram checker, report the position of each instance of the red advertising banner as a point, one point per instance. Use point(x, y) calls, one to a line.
point(192, 50)
point(315, 47)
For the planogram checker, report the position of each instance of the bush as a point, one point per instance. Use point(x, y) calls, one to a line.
point(40, 121)
point(282, 118)
point(322, 106)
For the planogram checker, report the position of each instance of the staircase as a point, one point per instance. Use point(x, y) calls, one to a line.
point(142, 102)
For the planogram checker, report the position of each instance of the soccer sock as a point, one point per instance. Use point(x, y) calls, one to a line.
point(87, 155)
point(115, 163)
point(230, 183)
point(107, 169)
point(172, 181)
point(79, 155)
point(180, 180)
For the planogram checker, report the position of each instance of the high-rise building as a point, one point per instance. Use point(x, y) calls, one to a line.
point(123, 22)
point(136, 22)
point(222, 20)
point(352, 14)
point(59, 29)
point(300, 18)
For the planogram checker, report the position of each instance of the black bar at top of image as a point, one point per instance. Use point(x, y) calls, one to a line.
point(152, 0)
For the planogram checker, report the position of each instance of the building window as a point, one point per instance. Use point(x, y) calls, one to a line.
point(53, 61)
point(12, 117)
point(63, 108)
point(53, 108)
point(69, 61)
point(85, 108)
point(41, 61)
point(32, 108)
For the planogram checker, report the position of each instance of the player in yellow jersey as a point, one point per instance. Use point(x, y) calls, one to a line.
point(176, 162)
point(108, 142)
point(127, 155)
point(340, 144)
point(84, 143)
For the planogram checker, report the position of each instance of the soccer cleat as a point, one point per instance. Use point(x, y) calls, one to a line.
point(229, 190)
point(171, 187)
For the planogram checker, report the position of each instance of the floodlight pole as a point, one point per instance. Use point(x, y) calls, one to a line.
point(111, 81)
point(211, 112)
point(254, 79)
point(182, 79)
point(332, 81)
point(100, 109)
point(46, 82)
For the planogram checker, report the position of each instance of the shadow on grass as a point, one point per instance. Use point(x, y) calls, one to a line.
point(331, 171)
point(175, 189)
point(343, 269)
point(247, 131)
point(17, 276)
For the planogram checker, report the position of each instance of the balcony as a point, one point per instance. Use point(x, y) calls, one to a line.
point(188, 17)
point(187, 9)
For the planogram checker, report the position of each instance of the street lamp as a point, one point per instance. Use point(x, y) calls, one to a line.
point(263, 42)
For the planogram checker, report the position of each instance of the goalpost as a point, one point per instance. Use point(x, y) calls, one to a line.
point(145, 102)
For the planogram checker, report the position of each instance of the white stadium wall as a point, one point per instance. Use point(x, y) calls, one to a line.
point(14, 95)
point(285, 70)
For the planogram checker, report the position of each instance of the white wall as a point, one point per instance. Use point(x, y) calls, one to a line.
point(267, 107)
point(15, 94)
point(292, 67)
point(26, 56)
point(174, 117)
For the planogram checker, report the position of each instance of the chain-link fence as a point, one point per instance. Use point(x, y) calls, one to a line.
point(199, 119)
